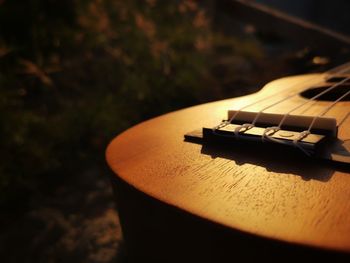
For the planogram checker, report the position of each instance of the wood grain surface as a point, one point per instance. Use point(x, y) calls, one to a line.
point(274, 194)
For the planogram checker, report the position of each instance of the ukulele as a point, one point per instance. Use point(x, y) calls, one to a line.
point(259, 177)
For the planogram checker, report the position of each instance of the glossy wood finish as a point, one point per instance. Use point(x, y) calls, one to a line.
point(275, 195)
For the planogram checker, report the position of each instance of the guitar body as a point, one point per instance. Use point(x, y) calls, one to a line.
point(180, 201)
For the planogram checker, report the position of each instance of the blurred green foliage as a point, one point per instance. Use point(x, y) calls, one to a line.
point(75, 73)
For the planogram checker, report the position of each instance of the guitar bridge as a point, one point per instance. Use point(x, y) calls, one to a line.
point(288, 135)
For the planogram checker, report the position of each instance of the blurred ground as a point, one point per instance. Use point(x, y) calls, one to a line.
point(77, 222)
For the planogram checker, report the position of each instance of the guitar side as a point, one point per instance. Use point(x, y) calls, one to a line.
point(211, 202)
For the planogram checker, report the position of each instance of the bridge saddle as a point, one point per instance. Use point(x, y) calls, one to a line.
point(322, 130)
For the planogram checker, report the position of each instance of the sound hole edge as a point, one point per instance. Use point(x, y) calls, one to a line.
point(332, 95)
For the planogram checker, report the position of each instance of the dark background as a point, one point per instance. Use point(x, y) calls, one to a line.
point(330, 14)
point(74, 74)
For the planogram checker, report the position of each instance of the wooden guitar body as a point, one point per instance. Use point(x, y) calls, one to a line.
point(181, 201)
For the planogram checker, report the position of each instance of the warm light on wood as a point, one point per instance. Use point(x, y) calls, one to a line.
point(276, 195)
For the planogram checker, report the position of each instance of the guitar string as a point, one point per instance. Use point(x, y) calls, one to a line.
point(305, 133)
point(339, 70)
point(311, 105)
point(344, 119)
point(269, 131)
point(307, 102)
point(328, 109)
point(253, 103)
point(311, 100)
point(329, 72)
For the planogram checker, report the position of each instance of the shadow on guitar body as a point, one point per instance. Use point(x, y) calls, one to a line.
point(275, 159)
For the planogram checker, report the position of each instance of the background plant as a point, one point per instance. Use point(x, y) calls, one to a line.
point(75, 73)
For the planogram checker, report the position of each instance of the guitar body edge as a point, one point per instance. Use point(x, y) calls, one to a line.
point(157, 232)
